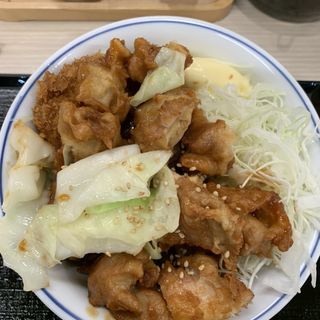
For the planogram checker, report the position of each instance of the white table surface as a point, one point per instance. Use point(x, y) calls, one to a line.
point(25, 45)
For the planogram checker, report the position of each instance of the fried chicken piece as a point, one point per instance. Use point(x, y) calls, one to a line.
point(117, 58)
point(152, 304)
point(266, 222)
point(45, 118)
point(65, 81)
point(112, 281)
point(197, 291)
point(161, 122)
point(103, 89)
point(87, 131)
point(208, 145)
point(54, 89)
point(102, 86)
point(207, 222)
point(230, 221)
point(142, 59)
point(97, 81)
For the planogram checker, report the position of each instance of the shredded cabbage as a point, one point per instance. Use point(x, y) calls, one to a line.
point(167, 76)
point(273, 151)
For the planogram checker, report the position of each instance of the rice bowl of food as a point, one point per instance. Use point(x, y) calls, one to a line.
point(161, 168)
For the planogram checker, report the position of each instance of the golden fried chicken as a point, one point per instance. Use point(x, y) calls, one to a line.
point(95, 81)
point(112, 281)
point(266, 222)
point(229, 221)
point(99, 88)
point(207, 222)
point(87, 131)
point(54, 89)
point(142, 59)
point(196, 290)
point(152, 304)
point(45, 118)
point(117, 58)
point(208, 145)
point(161, 122)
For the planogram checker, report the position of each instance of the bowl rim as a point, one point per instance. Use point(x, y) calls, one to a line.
point(44, 295)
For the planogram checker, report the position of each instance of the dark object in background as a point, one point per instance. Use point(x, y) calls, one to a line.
point(290, 10)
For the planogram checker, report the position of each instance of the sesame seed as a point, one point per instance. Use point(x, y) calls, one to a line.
point(181, 275)
point(179, 165)
point(181, 235)
point(207, 207)
point(171, 257)
point(224, 198)
point(198, 189)
point(238, 209)
point(227, 254)
point(204, 185)
point(186, 264)
point(63, 197)
point(165, 183)
point(218, 186)
point(139, 166)
point(162, 266)
point(116, 220)
point(108, 254)
point(193, 169)
point(201, 267)
point(177, 231)
point(215, 193)
point(173, 169)
point(191, 273)
point(177, 186)
point(169, 269)
point(178, 263)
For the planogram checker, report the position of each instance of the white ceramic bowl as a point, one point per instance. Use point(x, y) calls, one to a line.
point(67, 294)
